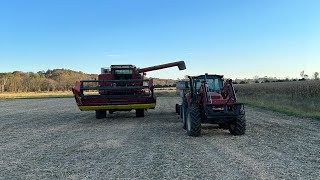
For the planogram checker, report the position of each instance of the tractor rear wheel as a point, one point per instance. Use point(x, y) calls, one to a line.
point(184, 111)
point(177, 109)
point(139, 112)
point(194, 121)
point(101, 114)
point(238, 126)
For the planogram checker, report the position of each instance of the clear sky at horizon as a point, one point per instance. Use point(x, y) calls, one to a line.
point(240, 39)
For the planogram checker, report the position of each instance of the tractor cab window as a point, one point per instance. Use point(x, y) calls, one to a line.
point(198, 83)
point(123, 71)
point(119, 74)
point(214, 84)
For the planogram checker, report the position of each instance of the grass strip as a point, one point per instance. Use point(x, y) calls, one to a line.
point(286, 108)
point(36, 95)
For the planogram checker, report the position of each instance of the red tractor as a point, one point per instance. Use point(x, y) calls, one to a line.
point(120, 88)
point(207, 99)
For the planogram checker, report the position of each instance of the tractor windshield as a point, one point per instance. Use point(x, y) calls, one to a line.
point(214, 83)
point(120, 74)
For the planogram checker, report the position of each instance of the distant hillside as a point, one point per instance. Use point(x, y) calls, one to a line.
point(52, 80)
point(164, 82)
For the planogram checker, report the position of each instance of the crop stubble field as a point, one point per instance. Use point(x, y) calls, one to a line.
point(51, 138)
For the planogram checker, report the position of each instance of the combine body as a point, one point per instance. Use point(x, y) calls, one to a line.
point(119, 88)
point(207, 99)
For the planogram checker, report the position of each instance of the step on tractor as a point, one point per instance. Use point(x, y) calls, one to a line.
point(119, 88)
point(209, 99)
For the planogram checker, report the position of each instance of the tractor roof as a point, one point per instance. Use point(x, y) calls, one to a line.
point(208, 75)
point(123, 66)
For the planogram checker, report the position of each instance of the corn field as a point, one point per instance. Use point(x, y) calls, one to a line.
point(296, 97)
point(294, 89)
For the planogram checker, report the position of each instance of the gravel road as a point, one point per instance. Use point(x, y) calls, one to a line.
point(52, 139)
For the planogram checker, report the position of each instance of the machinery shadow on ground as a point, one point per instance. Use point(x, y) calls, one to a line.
point(213, 130)
point(115, 117)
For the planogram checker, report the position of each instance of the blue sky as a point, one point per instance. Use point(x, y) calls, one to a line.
point(240, 39)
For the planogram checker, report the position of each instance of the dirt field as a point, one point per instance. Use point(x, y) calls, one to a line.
point(51, 138)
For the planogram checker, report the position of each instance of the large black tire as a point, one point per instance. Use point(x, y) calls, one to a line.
point(184, 111)
point(139, 112)
point(101, 114)
point(177, 109)
point(194, 121)
point(238, 127)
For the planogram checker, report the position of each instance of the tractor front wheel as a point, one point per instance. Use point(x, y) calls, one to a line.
point(194, 121)
point(177, 109)
point(238, 126)
point(101, 114)
point(184, 111)
point(139, 112)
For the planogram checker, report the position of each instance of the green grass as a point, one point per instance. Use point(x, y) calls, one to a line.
point(36, 95)
point(40, 97)
point(166, 94)
point(297, 98)
point(299, 107)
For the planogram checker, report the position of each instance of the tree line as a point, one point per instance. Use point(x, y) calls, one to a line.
point(266, 79)
point(53, 80)
point(50, 80)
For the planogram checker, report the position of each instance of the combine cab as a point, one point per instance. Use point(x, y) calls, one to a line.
point(119, 88)
point(207, 99)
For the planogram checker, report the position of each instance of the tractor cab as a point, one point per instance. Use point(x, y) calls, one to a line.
point(123, 72)
point(210, 100)
point(213, 83)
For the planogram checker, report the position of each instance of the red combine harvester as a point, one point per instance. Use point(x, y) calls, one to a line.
point(120, 88)
point(207, 99)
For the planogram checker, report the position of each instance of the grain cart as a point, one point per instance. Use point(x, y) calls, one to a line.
point(207, 99)
point(182, 87)
point(119, 88)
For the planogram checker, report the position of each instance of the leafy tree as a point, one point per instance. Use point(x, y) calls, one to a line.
point(316, 75)
point(302, 74)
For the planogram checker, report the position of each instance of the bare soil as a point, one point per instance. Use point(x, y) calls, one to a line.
point(52, 139)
